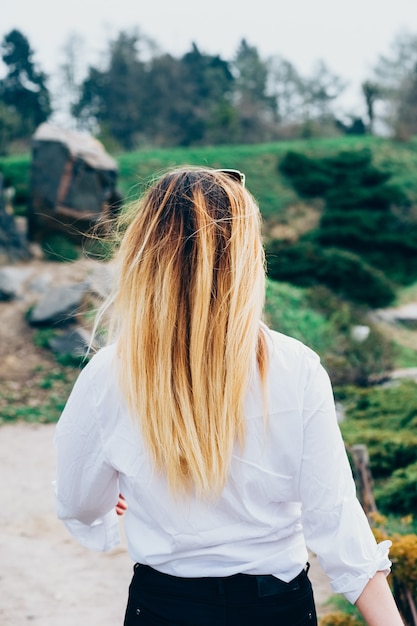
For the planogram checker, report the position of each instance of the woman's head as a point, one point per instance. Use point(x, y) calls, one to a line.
point(187, 313)
point(200, 223)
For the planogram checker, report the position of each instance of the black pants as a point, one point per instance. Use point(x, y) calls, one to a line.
point(157, 599)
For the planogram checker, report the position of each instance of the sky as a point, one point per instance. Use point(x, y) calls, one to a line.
point(348, 36)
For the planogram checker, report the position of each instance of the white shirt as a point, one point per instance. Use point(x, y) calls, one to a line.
point(290, 487)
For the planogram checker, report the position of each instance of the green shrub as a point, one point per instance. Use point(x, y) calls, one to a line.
point(57, 247)
point(307, 264)
point(388, 450)
point(399, 494)
point(360, 363)
point(393, 407)
point(364, 213)
point(16, 172)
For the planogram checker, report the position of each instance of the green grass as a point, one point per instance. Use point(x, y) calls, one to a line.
point(42, 399)
point(259, 162)
point(16, 172)
point(287, 310)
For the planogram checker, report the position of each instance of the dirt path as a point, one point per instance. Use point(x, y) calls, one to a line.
point(46, 578)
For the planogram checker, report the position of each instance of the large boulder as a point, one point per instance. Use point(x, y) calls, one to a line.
point(73, 183)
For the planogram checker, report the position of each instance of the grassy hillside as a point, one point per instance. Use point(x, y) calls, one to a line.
point(259, 162)
point(295, 311)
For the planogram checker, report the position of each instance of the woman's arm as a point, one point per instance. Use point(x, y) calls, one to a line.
point(377, 605)
point(87, 486)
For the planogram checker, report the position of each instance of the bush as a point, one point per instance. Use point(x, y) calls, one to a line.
point(383, 419)
point(393, 407)
point(364, 213)
point(388, 450)
point(399, 494)
point(307, 264)
point(57, 247)
point(360, 363)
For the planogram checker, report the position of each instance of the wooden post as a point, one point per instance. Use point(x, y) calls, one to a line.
point(363, 477)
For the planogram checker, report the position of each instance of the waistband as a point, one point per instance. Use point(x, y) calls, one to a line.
point(238, 584)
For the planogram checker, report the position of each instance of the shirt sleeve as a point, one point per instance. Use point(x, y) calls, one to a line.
point(335, 525)
point(86, 487)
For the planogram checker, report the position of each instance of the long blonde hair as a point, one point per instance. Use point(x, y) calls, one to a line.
point(186, 318)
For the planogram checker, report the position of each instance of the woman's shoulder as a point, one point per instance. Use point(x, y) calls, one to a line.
point(101, 361)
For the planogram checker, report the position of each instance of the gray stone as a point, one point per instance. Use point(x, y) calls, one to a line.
point(59, 305)
point(360, 333)
point(406, 315)
point(74, 342)
point(11, 279)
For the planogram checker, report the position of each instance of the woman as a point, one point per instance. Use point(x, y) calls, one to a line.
point(220, 434)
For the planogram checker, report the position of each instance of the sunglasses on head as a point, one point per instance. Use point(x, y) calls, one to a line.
point(235, 174)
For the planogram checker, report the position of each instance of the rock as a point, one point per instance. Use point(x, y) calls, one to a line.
point(360, 332)
point(72, 184)
point(406, 315)
point(59, 305)
point(75, 342)
point(409, 373)
point(11, 280)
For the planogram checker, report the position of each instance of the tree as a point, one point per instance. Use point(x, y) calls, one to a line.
point(286, 86)
point(70, 74)
point(320, 90)
point(23, 90)
point(10, 123)
point(301, 101)
point(395, 74)
point(189, 100)
point(114, 97)
point(256, 107)
point(406, 124)
point(371, 92)
point(208, 86)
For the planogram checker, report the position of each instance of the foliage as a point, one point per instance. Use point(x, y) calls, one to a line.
point(164, 101)
point(307, 263)
point(384, 419)
point(16, 173)
point(365, 214)
point(388, 451)
point(58, 247)
point(273, 192)
point(141, 96)
point(23, 91)
point(395, 78)
point(324, 321)
point(399, 494)
point(393, 406)
point(403, 554)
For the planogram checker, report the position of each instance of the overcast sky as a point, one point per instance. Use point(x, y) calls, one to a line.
point(349, 36)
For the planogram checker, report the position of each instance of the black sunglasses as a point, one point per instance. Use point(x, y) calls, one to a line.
point(235, 174)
